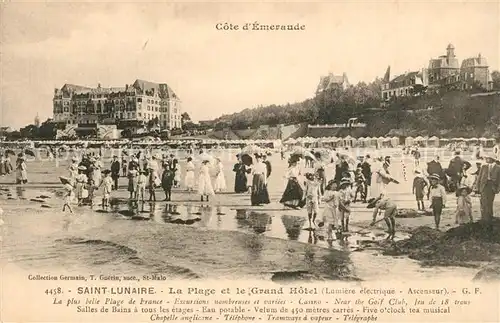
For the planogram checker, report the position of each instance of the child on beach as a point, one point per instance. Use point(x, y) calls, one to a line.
point(419, 185)
point(68, 197)
point(152, 185)
point(107, 184)
point(330, 213)
point(142, 182)
point(132, 182)
point(437, 195)
point(81, 182)
point(360, 180)
point(345, 197)
point(167, 181)
point(464, 206)
point(177, 173)
point(312, 195)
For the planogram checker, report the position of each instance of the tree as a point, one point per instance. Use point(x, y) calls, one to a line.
point(495, 77)
point(185, 118)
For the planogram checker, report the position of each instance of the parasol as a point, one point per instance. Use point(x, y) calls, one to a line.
point(206, 157)
point(65, 180)
point(9, 152)
point(251, 149)
point(247, 159)
point(348, 158)
point(29, 153)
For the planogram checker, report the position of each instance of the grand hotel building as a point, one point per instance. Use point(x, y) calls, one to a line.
point(138, 103)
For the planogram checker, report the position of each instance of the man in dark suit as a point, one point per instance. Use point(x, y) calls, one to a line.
point(488, 186)
point(366, 170)
point(115, 172)
point(455, 170)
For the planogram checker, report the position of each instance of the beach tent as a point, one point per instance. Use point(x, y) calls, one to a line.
point(380, 141)
point(349, 141)
point(395, 141)
point(433, 141)
point(409, 141)
point(361, 142)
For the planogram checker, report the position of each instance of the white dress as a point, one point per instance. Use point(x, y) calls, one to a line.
point(377, 185)
point(204, 181)
point(189, 179)
point(220, 180)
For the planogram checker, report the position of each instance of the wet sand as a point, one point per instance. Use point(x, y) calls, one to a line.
point(265, 242)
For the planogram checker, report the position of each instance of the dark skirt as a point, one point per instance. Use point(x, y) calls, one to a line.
point(293, 195)
point(240, 182)
point(259, 191)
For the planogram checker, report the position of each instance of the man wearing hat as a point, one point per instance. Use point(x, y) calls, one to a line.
point(455, 170)
point(115, 172)
point(488, 185)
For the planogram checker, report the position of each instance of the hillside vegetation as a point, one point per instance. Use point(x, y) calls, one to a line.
point(452, 113)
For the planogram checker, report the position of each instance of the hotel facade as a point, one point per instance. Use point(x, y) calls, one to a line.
point(141, 103)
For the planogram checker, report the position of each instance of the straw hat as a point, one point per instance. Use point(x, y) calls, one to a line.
point(464, 187)
point(345, 181)
point(82, 168)
point(434, 176)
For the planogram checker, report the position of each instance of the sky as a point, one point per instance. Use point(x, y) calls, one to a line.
point(215, 72)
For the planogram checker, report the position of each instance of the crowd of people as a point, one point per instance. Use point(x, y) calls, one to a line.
point(354, 179)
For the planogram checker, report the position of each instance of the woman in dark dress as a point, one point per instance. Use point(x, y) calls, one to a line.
point(260, 195)
point(294, 193)
point(240, 178)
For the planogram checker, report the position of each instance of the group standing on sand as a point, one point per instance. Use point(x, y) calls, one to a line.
point(143, 177)
point(363, 181)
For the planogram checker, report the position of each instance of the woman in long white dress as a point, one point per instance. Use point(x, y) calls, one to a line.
point(21, 171)
point(220, 180)
point(189, 179)
point(205, 188)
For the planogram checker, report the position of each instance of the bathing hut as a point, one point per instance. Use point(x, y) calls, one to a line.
point(395, 141)
point(421, 141)
point(362, 142)
point(380, 142)
point(349, 141)
point(409, 141)
point(433, 141)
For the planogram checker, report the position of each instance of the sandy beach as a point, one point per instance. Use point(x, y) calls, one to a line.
point(229, 238)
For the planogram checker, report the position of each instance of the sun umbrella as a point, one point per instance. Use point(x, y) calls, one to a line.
point(247, 159)
point(251, 149)
point(206, 157)
point(9, 152)
point(347, 157)
point(64, 180)
point(29, 153)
